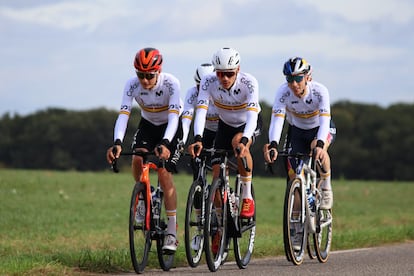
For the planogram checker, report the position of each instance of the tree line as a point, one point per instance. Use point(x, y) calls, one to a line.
point(372, 142)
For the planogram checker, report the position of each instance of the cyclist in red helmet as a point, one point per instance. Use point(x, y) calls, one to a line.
point(158, 96)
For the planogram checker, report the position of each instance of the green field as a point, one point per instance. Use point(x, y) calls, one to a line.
point(77, 223)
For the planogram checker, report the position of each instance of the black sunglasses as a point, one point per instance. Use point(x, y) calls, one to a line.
point(228, 74)
point(148, 76)
point(298, 78)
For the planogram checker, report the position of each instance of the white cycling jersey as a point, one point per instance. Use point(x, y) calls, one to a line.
point(237, 106)
point(310, 111)
point(190, 104)
point(160, 105)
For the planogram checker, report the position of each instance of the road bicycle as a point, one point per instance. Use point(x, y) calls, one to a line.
point(306, 227)
point(195, 209)
point(147, 222)
point(223, 221)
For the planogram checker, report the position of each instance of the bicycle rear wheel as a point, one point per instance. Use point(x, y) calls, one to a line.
point(323, 235)
point(244, 242)
point(165, 258)
point(294, 237)
point(139, 237)
point(215, 230)
point(193, 232)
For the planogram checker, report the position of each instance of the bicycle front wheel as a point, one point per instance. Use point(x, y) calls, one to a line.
point(139, 237)
point(193, 232)
point(165, 257)
point(311, 246)
point(323, 235)
point(294, 236)
point(244, 241)
point(215, 230)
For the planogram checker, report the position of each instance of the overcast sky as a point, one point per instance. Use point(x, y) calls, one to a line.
point(78, 54)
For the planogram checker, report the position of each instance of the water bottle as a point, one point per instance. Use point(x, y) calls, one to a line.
point(153, 193)
point(232, 199)
point(235, 203)
point(155, 203)
point(311, 221)
point(311, 201)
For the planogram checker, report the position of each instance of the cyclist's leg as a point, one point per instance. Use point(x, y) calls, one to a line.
point(325, 172)
point(170, 203)
point(247, 210)
point(165, 176)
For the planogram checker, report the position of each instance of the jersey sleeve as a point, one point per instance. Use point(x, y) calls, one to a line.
point(324, 114)
point(124, 112)
point(201, 111)
point(188, 112)
point(277, 118)
point(174, 110)
point(253, 108)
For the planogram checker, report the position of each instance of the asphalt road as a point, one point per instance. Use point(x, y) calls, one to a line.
point(393, 260)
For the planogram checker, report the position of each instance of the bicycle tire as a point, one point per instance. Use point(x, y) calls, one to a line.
point(165, 258)
point(139, 238)
point(290, 223)
point(311, 247)
point(244, 243)
point(323, 235)
point(285, 227)
point(213, 225)
point(193, 225)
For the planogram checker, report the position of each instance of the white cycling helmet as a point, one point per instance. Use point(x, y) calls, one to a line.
point(296, 66)
point(226, 59)
point(202, 70)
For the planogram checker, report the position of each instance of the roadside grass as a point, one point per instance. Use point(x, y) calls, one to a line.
point(74, 223)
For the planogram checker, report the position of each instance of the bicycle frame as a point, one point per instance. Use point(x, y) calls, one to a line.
point(202, 177)
point(195, 209)
point(232, 226)
point(225, 166)
point(308, 178)
point(145, 179)
point(155, 226)
point(316, 223)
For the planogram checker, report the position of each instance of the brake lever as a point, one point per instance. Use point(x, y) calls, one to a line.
point(244, 161)
point(114, 165)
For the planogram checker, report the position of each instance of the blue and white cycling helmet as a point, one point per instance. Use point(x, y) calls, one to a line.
point(202, 70)
point(296, 66)
point(226, 59)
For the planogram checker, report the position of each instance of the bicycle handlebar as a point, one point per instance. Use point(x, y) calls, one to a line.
point(301, 156)
point(222, 152)
point(143, 154)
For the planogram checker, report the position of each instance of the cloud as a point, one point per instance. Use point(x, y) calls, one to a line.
point(398, 11)
point(86, 15)
point(335, 47)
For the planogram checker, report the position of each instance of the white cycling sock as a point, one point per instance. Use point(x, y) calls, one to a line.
point(247, 186)
point(325, 182)
point(172, 222)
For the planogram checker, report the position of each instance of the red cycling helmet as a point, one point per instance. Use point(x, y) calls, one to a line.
point(148, 60)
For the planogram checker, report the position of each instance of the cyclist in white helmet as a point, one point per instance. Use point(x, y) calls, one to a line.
point(305, 104)
point(190, 104)
point(236, 96)
point(209, 134)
